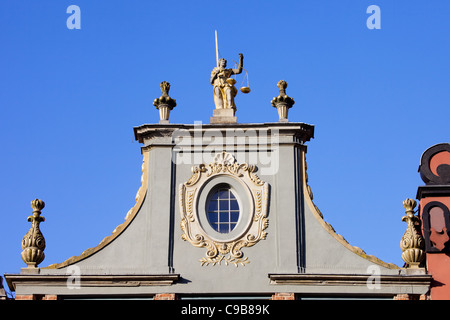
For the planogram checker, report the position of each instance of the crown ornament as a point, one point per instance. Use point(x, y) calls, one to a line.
point(164, 103)
point(282, 102)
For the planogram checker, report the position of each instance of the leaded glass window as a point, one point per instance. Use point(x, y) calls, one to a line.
point(223, 209)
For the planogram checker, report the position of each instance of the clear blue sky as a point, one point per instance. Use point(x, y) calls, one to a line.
point(69, 100)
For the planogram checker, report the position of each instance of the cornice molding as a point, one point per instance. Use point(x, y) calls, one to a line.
point(301, 131)
point(13, 280)
point(433, 191)
point(349, 279)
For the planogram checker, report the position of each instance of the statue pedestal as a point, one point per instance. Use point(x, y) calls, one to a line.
point(223, 116)
point(30, 270)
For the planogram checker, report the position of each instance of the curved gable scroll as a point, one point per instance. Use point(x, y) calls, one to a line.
point(307, 193)
point(140, 196)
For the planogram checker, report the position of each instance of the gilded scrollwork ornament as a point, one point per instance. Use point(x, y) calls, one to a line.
point(227, 251)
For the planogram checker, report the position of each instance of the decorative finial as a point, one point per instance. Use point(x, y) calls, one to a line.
point(283, 102)
point(412, 242)
point(33, 243)
point(164, 103)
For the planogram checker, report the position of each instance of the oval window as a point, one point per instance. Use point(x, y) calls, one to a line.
point(222, 209)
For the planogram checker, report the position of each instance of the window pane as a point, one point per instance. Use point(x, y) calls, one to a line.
point(234, 205)
point(212, 217)
point(224, 228)
point(223, 210)
point(224, 217)
point(224, 205)
point(223, 194)
point(234, 217)
point(212, 205)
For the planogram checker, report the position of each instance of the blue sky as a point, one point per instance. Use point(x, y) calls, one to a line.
point(69, 100)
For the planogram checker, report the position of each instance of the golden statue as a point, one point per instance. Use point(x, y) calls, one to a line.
point(224, 89)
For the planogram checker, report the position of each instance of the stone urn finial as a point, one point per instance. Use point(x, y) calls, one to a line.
point(282, 102)
point(164, 103)
point(33, 243)
point(412, 242)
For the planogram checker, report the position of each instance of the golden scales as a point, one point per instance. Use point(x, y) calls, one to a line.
point(243, 89)
point(247, 88)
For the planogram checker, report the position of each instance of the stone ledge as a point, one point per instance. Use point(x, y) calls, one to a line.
point(408, 282)
point(144, 133)
point(433, 191)
point(92, 280)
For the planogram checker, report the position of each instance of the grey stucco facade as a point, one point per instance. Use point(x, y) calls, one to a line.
point(299, 252)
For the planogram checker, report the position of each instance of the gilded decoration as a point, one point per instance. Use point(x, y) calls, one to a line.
point(412, 242)
point(228, 251)
point(33, 243)
point(224, 89)
point(282, 102)
point(164, 103)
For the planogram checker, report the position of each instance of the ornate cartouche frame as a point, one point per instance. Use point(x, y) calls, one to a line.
point(252, 222)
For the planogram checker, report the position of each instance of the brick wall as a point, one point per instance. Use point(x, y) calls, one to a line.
point(164, 296)
point(283, 296)
point(411, 297)
point(25, 297)
point(36, 297)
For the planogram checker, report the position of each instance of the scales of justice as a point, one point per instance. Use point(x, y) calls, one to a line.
point(224, 90)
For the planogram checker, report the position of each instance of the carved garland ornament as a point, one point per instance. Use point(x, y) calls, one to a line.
point(228, 251)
